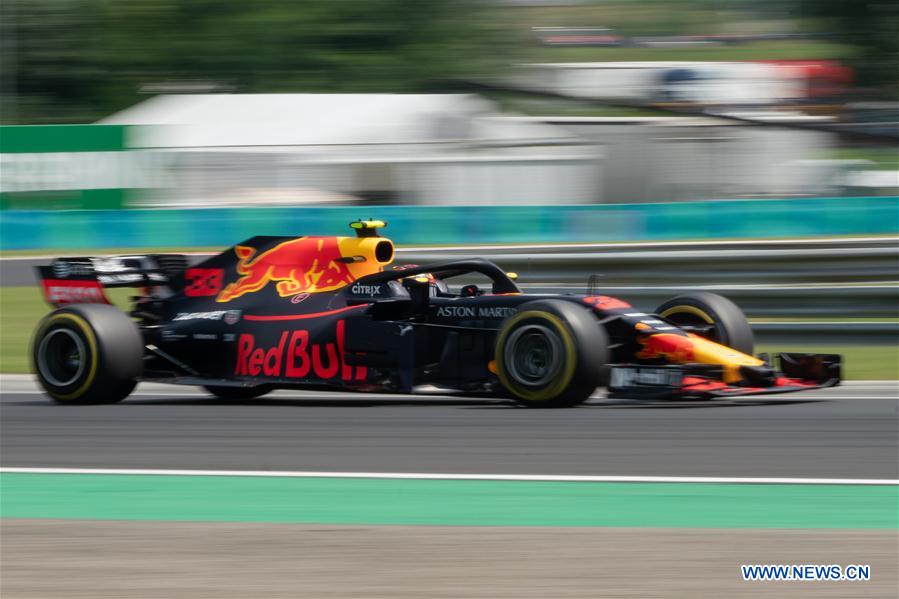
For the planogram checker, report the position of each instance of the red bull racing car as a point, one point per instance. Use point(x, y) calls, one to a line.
point(318, 312)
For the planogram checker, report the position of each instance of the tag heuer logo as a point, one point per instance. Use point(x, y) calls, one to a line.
point(232, 316)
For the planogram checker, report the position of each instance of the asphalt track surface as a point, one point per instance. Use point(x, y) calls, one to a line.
point(845, 432)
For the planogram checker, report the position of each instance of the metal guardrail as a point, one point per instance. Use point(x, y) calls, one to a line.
point(833, 279)
point(827, 302)
point(700, 266)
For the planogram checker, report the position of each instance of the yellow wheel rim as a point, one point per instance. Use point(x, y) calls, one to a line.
point(569, 357)
point(85, 328)
point(688, 310)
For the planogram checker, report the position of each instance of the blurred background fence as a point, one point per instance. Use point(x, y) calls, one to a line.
point(445, 149)
point(454, 225)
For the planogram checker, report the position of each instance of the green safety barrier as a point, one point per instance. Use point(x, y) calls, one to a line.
point(431, 225)
point(66, 167)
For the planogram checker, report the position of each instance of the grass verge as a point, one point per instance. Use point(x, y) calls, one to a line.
point(20, 310)
point(22, 307)
point(860, 362)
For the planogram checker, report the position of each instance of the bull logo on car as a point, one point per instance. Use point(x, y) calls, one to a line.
point(302, 265)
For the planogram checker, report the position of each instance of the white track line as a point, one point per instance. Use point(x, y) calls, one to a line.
point(430, 476)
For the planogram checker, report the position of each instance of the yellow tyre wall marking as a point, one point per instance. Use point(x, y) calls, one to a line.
point(85, 328)
point(689, 310)
point(555, 388)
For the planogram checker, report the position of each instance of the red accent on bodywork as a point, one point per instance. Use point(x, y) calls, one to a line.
point(61, 292)
point(272, 317)
point(605, 302)
point(697, 383)
point(203, 281)
point(693, 385)
point(783, 381)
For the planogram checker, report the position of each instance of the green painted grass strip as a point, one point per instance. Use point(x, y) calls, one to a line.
point(446, 502)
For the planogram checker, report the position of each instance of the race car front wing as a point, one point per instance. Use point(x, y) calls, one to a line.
point(796, 372)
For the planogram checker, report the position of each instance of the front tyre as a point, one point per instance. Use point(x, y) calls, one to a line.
point(711, 316)
point(551, 354)
point(87, 353)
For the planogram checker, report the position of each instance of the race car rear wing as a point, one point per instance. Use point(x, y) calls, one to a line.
point(82, 280)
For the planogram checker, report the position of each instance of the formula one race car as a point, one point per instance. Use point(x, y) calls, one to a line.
point(325, 313)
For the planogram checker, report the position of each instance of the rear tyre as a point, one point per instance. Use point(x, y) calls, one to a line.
point(238, 393)
point(711, 316)
point(551, 354)
point(87, 354)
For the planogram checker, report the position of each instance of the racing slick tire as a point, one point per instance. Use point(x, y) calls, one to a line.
point(711, 316)
point(238, 393)
point(551, 354)
point(87, 354)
